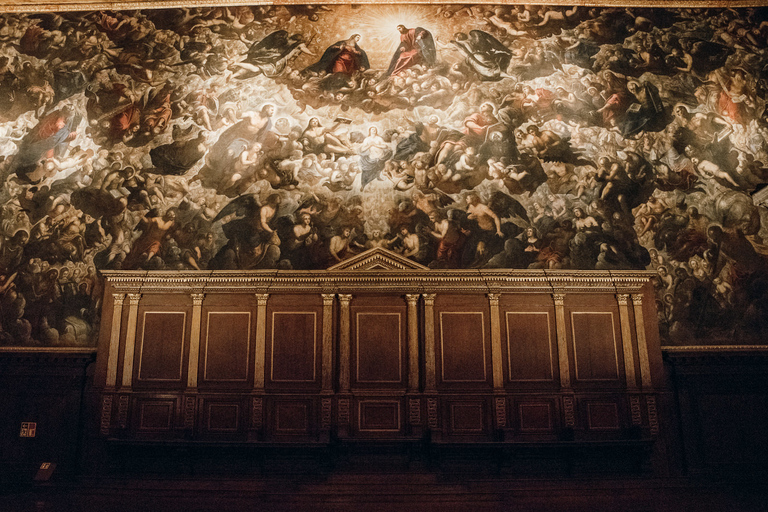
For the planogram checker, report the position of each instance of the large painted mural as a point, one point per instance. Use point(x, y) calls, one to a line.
point(292, 137)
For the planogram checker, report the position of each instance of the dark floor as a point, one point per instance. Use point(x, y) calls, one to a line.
point(152, 478)
point(382, 493)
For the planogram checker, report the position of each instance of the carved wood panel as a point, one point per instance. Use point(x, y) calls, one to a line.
point(595, 346)
point(293, 341)
point(227, 346)
point(161, 349)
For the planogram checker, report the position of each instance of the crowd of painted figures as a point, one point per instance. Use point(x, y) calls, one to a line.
point(490, 137)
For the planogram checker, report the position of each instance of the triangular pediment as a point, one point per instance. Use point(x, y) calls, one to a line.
point(378, 258)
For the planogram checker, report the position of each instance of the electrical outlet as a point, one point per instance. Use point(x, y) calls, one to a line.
point(28, 429)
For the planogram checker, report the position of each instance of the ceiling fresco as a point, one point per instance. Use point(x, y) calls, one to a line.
point(296, 136)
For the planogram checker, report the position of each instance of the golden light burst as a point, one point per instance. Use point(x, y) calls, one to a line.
point(377, 26)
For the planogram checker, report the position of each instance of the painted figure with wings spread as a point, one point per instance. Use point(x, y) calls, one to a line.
point(270, 55)
point(484, 53)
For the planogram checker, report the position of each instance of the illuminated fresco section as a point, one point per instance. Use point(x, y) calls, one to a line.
point(293, 137)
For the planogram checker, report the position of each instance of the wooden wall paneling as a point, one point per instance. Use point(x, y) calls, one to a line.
point(162, 344)
point(155, 416)
point(292, 418)
point(129, 347)
point(595, 339)
point(529, 342)
point(114, 340)
point(463, 341)
point(379, 342)
point(260, 348)
point(345, 350)
point(228, 337)
point(603, 416)
point(535, 415)
point(379, 416)
point(466, 417)
point(223, 417)
point(294, 348)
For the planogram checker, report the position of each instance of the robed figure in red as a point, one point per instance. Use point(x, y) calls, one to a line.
point(342, 57)
point(416, 47)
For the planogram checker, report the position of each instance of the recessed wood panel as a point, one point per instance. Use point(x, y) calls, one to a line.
point(529, 346)
point(162, 346)
point(535, 416)
point(291, 417)
point(602, 416)
point(156, 415)
point(223, 417)
point(462, 347)
point(294, 346)
point(379, 415)
point(594, 346)
point(379, 347)
point(467, 417)
point(226, 348)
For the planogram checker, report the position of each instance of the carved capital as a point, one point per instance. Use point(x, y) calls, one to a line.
point(262, 298)
point(328, 298)
point(134, 298)
point(637, 299)
point(345, 299)
point(197, 299)
point(429, 299)
point(623, 298)
point(118, 299)
point(559, 298)
point(493, 298)
point(412, 298)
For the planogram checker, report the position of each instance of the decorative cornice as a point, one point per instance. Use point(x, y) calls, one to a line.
point(377, 259)
point(81, 5)
point(715, 349)
point(701, 357)
point(52, 351)
point(403, 281)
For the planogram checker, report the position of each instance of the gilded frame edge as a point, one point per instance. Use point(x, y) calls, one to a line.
point(29, 6)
